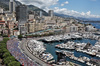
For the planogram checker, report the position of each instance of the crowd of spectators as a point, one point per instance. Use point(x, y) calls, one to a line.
point(12, 46)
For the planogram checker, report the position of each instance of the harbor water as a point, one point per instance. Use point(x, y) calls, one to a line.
point(50, 47)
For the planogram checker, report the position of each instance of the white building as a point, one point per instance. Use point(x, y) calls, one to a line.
point(90, 28)
point(16, 33)
point(50, 24)
point(9, 17)
point(31, 16)
point(73, 28)
point(67, 29)
point(1, 10)
point(51, 13)
point(22, 28)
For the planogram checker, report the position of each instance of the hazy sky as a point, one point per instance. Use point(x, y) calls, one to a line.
point(77, 8)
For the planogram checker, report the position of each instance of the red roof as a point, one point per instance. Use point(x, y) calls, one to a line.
point(2, 21)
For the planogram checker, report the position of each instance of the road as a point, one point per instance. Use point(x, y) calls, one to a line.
point(23, 47)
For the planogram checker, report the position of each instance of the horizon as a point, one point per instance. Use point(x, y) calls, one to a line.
point(79, 8)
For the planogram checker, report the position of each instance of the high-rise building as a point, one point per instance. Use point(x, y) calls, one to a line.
point(40, 13)
point(51, 13)
point(12, 6)
point(21, 14)
point(21, 17)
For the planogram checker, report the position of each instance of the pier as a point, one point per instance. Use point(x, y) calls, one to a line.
point(71, 56)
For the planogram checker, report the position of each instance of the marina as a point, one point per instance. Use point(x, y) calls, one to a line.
point(68, 45)
point(71, 56)
point(76, 53)
point(49, 33)
point(37, 48)
point(57, 38)
point(80, 49)
point(71, 36)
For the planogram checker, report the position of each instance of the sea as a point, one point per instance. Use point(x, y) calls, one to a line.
point(50, 47)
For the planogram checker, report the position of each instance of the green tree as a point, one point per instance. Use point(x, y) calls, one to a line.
point(5, 40)
point(3, 50)
point(2, 44)
point(1, 41)
point(5, 35)
point(13, 63)
point(9, 59)
point(5, 55)
point(20, 36)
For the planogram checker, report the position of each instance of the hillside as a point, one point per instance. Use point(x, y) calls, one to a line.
point(5, 4)
point(34, 8)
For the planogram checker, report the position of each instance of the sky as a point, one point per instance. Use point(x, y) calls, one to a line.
point(76, 8)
